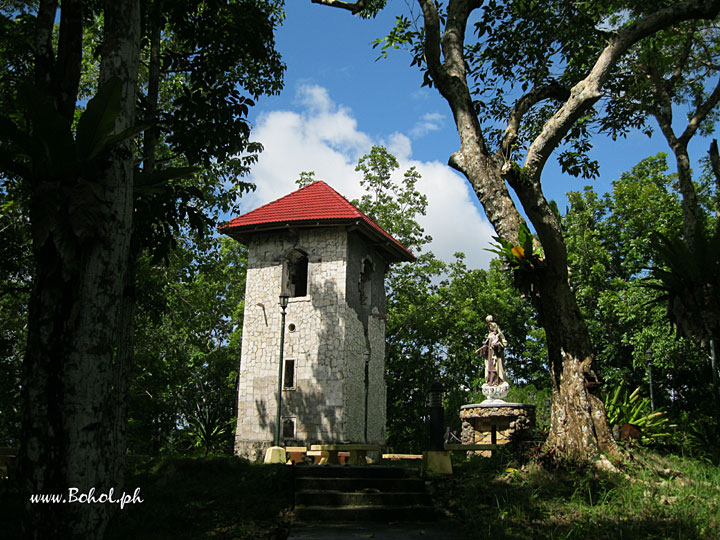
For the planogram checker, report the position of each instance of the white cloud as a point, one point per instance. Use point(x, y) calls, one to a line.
point(428, 123)
point(324, 137)
point(399, 146)
point(452, 219)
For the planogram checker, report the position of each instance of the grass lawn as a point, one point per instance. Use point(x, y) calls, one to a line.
point(653, 497)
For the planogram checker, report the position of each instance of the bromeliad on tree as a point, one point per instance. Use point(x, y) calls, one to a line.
point(523, 259)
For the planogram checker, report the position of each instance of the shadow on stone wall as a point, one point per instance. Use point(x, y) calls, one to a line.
point(316, 420)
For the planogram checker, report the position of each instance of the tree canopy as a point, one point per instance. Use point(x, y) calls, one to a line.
point(537, 72)
point(87, 80)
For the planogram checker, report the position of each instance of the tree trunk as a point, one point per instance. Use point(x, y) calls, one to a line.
point(578, 428)
point(153, 93)
point(74, 374)
point(689, 202)
point(715, 166)
point(664, 92)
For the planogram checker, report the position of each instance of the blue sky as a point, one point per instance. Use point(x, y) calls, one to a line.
point(339, 100)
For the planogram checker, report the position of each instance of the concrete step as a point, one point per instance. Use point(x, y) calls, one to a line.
point(389, 530)
point(405, 485)
point(365, 513)
point(363, 493)
point(362, 498)
point(355, 471)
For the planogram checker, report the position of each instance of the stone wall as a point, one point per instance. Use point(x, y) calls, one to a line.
point(324, 335)
point(377, 411)
point(365, 333)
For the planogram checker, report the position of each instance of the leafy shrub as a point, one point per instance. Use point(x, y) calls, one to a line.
point(623, 408)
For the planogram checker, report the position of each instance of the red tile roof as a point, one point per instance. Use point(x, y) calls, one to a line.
point(314, 204)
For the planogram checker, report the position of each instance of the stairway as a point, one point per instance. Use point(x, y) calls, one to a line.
point(360, 493)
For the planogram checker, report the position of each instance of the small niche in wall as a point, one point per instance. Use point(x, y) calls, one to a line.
point(288, 428)
point(291, 327)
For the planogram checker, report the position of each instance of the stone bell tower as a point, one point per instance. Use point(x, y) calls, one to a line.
point(331, 260)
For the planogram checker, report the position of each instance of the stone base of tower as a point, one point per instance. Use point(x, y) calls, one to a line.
point(252, 450)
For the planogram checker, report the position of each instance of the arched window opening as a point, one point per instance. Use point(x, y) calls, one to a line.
point(295, 281)
point(365, 284)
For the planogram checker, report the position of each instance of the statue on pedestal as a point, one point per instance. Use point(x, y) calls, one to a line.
point(495, 387)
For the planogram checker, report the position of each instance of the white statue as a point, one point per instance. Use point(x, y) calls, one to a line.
point(495, 387)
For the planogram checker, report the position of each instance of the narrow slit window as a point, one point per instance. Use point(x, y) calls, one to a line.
point(289, 374)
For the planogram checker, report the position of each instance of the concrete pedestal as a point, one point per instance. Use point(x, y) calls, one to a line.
point(496, 423)
point(275, 454)
point(436, 462)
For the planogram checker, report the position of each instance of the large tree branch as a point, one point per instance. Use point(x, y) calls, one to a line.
point(522, 106)
point(453, 40)
point(679, 147)
point(353, 7)
point(66, 77)
point(700, 115)
point(682, 60)
point(663, 115)
point(715, 164)
point(662, 109)
point(43, 47)
point(431, 46)
point(150, 136)
point(587, 91)
point(472, 160)
point(449, 75)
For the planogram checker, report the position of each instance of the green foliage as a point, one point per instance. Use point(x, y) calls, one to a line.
point(541, 397)
point(216, 57)
point(203, 113)
point(187, 345)
point(61, 167)
point(306, 178)
point(611, 244)
point(558, 44)
point(698, 437)
point(675, 64)
point(15, 286)
point(623, 407)
point(520, 259)
point(206, 498)
point(689, 280)
point(370, 8)
point(519, 256)
point(393, 206)
point(50, 151)
point(204, 94)
point(197, 118)
point(435, 324)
